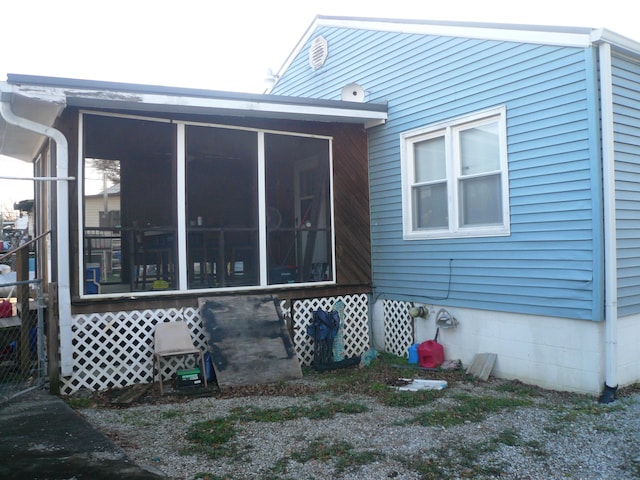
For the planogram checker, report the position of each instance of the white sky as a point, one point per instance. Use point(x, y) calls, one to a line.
point(223, 44)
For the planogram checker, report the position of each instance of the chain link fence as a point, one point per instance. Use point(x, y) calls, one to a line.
point(22, 345)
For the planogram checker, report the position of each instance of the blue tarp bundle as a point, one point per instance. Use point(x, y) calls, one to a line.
point(323, 329)
point(324, 325)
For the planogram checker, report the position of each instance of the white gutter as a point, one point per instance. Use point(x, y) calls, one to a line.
point(62, 230)
point(619, 42)
point(610, 247)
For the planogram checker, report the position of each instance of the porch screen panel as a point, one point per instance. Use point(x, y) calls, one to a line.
point(129, 229)
point(222, 207)
point(299, 237)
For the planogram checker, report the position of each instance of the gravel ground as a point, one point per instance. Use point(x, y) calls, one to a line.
point(530, 434)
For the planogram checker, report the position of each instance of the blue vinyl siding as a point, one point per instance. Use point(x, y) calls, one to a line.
point(549, 265)
point(626, 107)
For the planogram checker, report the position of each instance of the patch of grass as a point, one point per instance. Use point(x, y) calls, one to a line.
point(536, 448)
point(208, 476)
point(375, 380)
point(570, 413)
point(428, 468)
point(320, 412)
point(135, 419)
point(77, 403)
point(509, 437)
point(461, 462)
point(354, 460)
point(397, 398)
point(343, 453)
point(581, 407)
point(322, 450)
point(213, 436)
point(600, 428)
point(171, 414)
point(520, 389)
point(280, 468)
point(468, 409)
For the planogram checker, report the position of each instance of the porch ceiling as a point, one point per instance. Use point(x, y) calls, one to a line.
point(42, 99)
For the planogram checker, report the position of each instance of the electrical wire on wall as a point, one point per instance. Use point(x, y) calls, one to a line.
point(446, 297)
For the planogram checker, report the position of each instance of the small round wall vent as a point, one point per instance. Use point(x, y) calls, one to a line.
point(318, 52)
point(352, 92)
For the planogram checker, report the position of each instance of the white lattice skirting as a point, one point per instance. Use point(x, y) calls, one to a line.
point(355, 324)
point(115, 349)
point(398, 327)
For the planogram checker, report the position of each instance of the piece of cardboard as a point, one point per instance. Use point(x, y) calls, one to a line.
point(248, 340)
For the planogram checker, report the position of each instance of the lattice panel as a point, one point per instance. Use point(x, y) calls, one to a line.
point(115, 349)
point(355, 324)
point(398, 327)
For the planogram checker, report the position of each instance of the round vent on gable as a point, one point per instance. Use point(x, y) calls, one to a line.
point(318, 52)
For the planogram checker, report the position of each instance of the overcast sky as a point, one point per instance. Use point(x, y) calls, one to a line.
point(223, 44)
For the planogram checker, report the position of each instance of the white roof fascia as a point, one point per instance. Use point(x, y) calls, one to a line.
point(41, 93)
point(129, 100)
point(509, 33)
point(617, 41)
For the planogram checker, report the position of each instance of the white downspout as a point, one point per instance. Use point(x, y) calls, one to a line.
point(610, 247)
point(62, 231)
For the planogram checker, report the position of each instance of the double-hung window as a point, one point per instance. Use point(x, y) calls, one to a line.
point(455, 178)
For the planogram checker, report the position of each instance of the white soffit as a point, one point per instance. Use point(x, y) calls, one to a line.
point(18, 142)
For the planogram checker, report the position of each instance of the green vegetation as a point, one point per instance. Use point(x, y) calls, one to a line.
point(212, 437)
point(467, 409)
point(520, 389)
point(79, 402)
point(318, 412)
point(171, 414)
point(395, 398)
point(215, 437)
point(341, 452)
point(478, 456)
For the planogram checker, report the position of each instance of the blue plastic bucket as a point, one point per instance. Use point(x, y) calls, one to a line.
point(413, 353)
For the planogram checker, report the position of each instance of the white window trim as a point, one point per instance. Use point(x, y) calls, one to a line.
point(447, 128)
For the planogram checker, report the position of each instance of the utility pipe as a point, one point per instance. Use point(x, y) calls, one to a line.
point(37, 179)
point(62, 230)
point(610, 255)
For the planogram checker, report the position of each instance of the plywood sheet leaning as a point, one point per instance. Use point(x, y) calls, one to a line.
point(248, 340)
point(482, 365)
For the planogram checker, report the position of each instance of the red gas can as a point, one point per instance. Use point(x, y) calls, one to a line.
point(430, 354)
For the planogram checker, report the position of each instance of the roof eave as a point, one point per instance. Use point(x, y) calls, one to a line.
point(42, 102)
point(617, 41)
point(88, 92)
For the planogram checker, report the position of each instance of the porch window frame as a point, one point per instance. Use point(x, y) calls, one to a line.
point(450, 132)
point(180, 185)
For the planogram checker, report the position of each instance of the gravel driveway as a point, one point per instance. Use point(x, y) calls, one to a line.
point(353, 424)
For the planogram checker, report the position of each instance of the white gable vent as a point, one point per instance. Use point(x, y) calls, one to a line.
point(318, 52)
